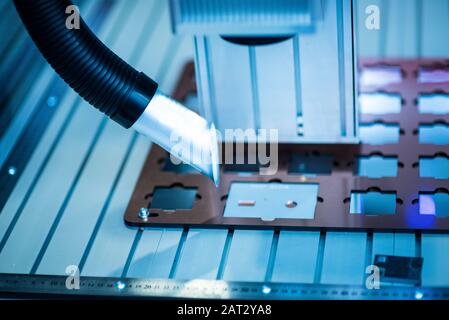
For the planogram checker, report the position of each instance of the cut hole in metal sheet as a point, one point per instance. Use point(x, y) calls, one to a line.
point(246, 203)
point(373, 203)
point(434, 204)
point(173, 199)
point(380, 103)
point(434, 103)
point(311, 164)
point(379, 133)
point(177, 166)
point(242, 169)
point(377, 166)
point(246, 159)
point(437, 74)
point(380, 75)
point(434, 134)
point(434, 167)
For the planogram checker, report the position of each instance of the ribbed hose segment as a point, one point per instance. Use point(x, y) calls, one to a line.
point(95, 72)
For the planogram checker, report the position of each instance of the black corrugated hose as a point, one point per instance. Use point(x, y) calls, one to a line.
point(95, 72)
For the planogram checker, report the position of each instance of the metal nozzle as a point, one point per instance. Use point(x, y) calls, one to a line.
point(182, 132)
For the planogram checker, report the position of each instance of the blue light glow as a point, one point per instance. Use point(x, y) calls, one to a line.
point(427, 204)
point(12, 171)
point(120, 285)
point(419, 295)
point(266, 289)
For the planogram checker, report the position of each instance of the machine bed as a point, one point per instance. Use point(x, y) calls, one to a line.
point(67, 173)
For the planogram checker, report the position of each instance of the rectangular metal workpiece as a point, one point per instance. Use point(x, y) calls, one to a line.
point(269, 201)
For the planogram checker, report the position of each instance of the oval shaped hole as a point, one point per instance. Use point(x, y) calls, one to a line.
point(291, 204)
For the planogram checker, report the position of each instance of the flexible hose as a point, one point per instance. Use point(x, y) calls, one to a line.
point(95, 72)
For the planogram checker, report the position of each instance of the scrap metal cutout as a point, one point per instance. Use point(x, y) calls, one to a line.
point(415, 202)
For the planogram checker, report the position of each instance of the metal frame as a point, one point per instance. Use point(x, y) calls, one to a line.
point(281, 85)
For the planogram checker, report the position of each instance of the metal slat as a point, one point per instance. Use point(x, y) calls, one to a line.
point(344, 258)
point(39, 159)
point(383, 243)
point(10, 28)
point(79, 215)
point(405, 244)
point(296, 257)
point(40, 208)
point(162, 54)
point(18, 123)
point(37, 124)
point(394, 244)
point(29, 139)
point(155, 254)
point(81, 204)
point(21, 62)
point(84, 205)
point(201, 254)
point(436, 260)
point(43, 84)
point(9, 220)
point(19, 88)
point(7, 215)
point(5, 5)
point(34, 124)
point(110, 243)
point(248, 256)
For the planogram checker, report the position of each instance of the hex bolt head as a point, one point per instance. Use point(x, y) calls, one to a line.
point(144, 213)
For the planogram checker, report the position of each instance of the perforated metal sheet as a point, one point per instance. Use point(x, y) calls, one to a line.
point(335, 189)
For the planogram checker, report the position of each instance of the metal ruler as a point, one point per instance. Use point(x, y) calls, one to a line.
point(18, 284)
